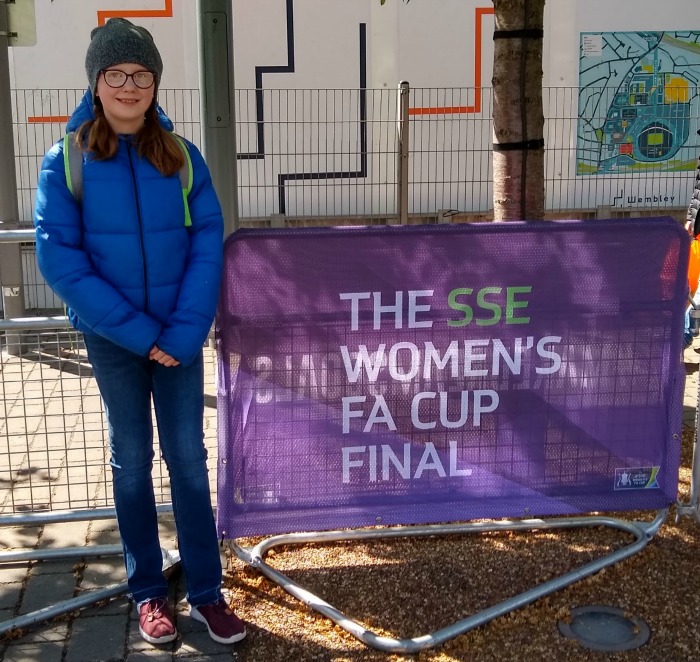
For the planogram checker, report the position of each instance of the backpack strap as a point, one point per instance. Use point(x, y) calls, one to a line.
point(185, 177)
point(73, 165)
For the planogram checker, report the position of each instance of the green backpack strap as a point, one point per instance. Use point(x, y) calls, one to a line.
point(73, 166)
point(185, 178)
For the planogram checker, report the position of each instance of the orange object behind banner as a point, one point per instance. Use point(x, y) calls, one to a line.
point(694, 266)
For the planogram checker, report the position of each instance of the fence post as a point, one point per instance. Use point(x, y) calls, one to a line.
point(402, 155)
point(10, 254)
point(217, 100)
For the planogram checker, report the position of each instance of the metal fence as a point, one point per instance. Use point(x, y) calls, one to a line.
point(54, 468)
point(54, 450)
point(330, 156)
point(321, 153)
point(54, 453)
point(311, 156)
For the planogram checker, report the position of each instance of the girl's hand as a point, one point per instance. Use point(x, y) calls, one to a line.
point(157, 354)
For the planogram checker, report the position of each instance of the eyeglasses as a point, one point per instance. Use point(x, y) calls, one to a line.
point(118, 78)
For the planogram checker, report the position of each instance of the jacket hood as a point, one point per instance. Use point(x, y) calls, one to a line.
point(84, 112)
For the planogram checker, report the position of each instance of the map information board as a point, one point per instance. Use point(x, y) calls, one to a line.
point(638, 102)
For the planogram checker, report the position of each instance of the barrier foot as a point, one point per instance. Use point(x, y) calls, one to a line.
point(692, 507)
point(17, 556)
point(684, 509)
point(254, 556)
point(170, 560)
point(47, 613)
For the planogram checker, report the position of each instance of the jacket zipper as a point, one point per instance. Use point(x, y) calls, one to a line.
point(140, 222)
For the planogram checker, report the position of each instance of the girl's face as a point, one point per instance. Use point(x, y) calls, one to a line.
point(125, 107)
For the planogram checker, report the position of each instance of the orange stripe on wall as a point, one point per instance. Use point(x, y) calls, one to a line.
point(447, 110)
point(166, 12)
point(479, 14)
point(47, 119)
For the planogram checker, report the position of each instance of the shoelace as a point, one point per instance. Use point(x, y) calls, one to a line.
point(155, 609)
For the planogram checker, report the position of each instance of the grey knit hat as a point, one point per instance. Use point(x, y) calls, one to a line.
point(119, 41)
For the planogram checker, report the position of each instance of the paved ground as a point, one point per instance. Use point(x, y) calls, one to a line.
point(109, 631)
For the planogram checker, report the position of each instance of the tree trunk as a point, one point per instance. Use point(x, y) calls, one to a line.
point(518, 121)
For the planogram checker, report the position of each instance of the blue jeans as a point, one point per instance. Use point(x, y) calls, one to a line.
point(127, 382)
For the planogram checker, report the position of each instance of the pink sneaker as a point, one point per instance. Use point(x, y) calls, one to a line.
point(156, 622)
point(223, 625)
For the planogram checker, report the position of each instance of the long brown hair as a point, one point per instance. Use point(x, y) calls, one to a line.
point(152, 141)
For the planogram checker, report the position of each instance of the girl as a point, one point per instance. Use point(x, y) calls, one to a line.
point(140, 275)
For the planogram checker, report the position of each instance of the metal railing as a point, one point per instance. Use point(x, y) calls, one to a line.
point(317, 153)
point(53, 436)
point(54, 450)
point(54, 466)
point(293, 469)
point(367, 156)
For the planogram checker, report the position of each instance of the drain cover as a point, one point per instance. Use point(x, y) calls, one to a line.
point(605, 629)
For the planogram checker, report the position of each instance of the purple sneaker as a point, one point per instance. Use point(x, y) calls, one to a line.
point(156, 622)
point(223, 625)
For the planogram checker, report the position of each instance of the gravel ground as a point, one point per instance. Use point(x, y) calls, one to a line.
point(408, 588)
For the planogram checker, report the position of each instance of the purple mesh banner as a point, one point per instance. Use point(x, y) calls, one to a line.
point(421, 374)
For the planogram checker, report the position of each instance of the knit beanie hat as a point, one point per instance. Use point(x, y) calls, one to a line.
point(119, 41)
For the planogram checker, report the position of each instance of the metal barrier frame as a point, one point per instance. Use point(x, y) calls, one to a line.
point(170, 560)
point(692, 507)
point(170, 557)
point(642, 532)
point(255, 557)
point(12, 329)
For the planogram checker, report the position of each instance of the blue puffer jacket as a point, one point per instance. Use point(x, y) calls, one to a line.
point(123, 262)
